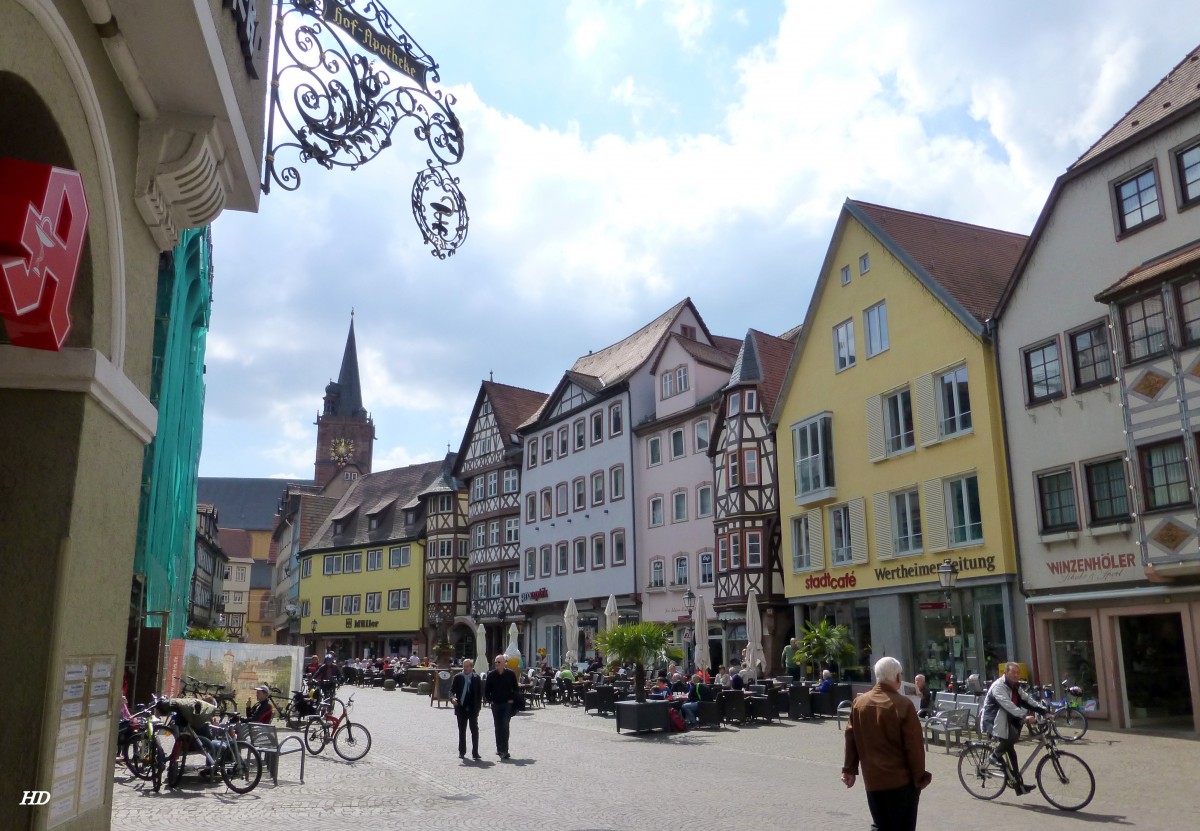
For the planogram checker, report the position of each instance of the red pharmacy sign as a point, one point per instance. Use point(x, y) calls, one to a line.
point(43, 221)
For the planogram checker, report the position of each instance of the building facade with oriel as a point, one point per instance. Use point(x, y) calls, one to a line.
point(578, 509)
point(746, 499)
point(489, 464)
point(447, 591)
point(208, 573)
point(891, 447)
point(673, 483)
point(1099, 388)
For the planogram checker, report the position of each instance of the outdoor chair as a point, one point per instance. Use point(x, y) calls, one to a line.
point(843, 712)
point(733, 706)
point(947, 724)
point(265, 738)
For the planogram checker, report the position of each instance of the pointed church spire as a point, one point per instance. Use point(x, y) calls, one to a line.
point(349, 404)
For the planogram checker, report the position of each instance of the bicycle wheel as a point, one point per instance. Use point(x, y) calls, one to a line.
point(351, 741)
point(175, 760)
point(982, 777)
point(315, 735)
point(1070, 725)
point(1066, 781)
point(241, 767)
point(165, 742)
point(139, 755)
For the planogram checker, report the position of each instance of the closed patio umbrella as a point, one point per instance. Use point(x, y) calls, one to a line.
point(755, 657)
point(700, 635)
point(570, 632)
point(611, 620)
point(512, 651)
point(481, 658)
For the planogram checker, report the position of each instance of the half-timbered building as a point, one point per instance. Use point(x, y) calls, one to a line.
point(489, 464)
point(746, 497)
point(444, 503)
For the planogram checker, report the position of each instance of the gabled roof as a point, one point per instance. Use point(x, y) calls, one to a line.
point(1173, 96)
point(964, 266)
point(793, 333)
point(970, 263)
point(242, 502)
point(702, 353)
point(235, 542)
point(763, 362)
point(1152, 271)
point(400, 486)
point(618, 362)
point(512, 407)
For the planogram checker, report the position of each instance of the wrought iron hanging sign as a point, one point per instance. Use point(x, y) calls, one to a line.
point(340, 110)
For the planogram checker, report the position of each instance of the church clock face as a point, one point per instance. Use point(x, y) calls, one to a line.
point(341, 450)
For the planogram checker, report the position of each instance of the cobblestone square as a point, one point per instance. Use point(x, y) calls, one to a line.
point(571, 770)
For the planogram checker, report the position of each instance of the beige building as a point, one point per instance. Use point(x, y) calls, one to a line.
point(160, 112)
point(1101, 439)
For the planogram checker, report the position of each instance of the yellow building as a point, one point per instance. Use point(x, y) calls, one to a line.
point(363, 572)
point(891, 448)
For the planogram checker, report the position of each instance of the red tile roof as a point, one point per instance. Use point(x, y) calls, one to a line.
point(1150, 272)
point(971, 262)
point(512, 405)
point(1171, 96)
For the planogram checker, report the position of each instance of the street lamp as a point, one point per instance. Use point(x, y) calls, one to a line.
point(689, 603)
point(947, 573)
point(313, 630)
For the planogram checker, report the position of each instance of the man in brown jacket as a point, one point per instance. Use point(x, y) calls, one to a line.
point(884, 736)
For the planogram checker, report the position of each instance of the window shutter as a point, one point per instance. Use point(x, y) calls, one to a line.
point(933, 515)
point(926, 410)
point(876, 447)
point(881, 517)
point(816, 539)
point(858, 532)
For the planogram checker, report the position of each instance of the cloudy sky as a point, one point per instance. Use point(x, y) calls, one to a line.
point(622, 155)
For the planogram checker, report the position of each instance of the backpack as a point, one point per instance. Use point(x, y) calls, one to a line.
point(676, 719)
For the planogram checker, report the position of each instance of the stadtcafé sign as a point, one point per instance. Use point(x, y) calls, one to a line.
point(905, 571)
point(392, 53)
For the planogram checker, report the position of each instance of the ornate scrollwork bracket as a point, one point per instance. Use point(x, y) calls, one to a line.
point(339, 106)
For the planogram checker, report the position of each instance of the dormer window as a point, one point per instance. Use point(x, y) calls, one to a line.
point(339, 527)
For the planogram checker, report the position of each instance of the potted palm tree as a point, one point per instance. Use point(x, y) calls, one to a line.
point(826, 643)
point(638, 644)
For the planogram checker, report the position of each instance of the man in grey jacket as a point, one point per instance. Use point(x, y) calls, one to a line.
point(1007, 705)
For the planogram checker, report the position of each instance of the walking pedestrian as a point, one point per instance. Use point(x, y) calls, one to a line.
point(467, 692)
point(501, 690)
point(883, 735)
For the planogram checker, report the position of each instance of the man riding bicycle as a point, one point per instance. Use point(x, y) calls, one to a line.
point(1006, 706)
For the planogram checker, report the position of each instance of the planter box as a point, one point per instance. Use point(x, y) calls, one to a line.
point(639, 717)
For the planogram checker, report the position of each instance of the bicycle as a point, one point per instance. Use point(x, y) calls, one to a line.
point(141, 753)
point(235, 760)
point(1069, 721)
point(1064, 779)
point(350, 741)
point(195, 688)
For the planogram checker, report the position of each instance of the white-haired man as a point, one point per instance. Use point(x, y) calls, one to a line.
point(883, 735)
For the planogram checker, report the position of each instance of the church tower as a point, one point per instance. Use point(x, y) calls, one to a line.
point(345, 432)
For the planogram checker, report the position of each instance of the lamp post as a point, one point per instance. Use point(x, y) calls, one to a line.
point(947, 574)
point(689, 603)
point(313, 631)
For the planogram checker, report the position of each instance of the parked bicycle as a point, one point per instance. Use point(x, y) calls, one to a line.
point(140, 752)
point(1069, 722)
point(1064, 779)
point(235, 760)
point(350, 741)
point(192, 687)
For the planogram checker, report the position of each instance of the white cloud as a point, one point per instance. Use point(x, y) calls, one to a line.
point(690, 19)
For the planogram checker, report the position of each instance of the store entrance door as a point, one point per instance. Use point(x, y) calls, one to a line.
point(1155, 671)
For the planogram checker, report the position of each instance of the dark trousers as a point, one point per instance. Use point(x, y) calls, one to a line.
point(467, 718)
point(501, 713)
point(894, 809)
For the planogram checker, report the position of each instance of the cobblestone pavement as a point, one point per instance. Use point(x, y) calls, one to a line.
point(572, 771)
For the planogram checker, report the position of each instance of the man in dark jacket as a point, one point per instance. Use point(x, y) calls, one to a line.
point(260, 711)
point(884, 735)
point(501, 690)
point(466, 691)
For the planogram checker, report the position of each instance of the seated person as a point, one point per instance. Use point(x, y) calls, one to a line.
point(691, 708)
point(737, 682)
point(723, 677)
point(260, 711)
point(659, 692)
point(826, 682)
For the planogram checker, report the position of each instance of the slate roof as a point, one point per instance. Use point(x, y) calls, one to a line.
point(1152, 271)
point(1171, 98)
point(398, 487)
point(762, 361)
point(348, 390)
point(971, 262)
point(242, 502)
point(617, 362)
point(703, 353)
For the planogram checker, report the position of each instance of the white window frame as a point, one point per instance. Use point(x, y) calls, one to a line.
point(374, 600)
point(375, 559)
point(841, 543)
point(512, 530)
point(907, 504)
point(399, 556)
point(616, 483)
point(658, 578)
point(682, 575)
point(654, 451)
point(579, 554)
point(844, 356)
point(700, 434)
point(617, 546)
point(815, 466)
point(956, 489)
point(677, 433)
point(801, 551)
point(446, 592)
point(899, 431)
point(679, 502)
point(598, 553)
point(961, 421)
point(332, 565)
point(701, 509)
point(513, 582)
point(875, 325)
point(706, 568)
point(655, 515)
point(512, 480)
point(845, 275)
